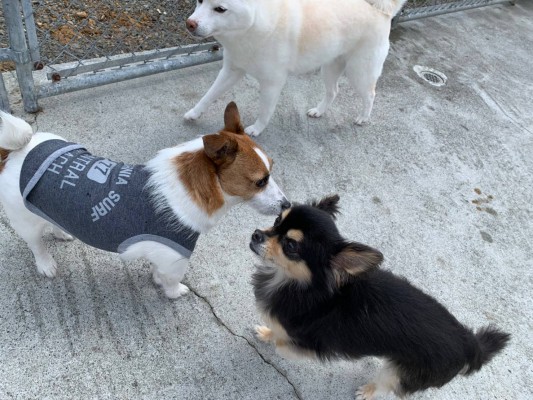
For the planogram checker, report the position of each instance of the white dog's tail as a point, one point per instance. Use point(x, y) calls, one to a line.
point(15, 133)
point(390, 7)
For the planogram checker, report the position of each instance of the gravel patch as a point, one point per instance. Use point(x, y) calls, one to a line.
point(77, 30)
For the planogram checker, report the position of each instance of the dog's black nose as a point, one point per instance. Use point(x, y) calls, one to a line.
point(286, 204)
point(258, 237)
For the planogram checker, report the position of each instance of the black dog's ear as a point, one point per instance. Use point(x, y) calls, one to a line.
point(328, 204)
point(356, 258)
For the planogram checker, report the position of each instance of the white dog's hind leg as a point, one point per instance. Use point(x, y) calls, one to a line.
point(268, 98)
point(363, 71)
point(330, 74)
point(226, 79)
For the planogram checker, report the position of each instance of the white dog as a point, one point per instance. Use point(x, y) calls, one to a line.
point(155, 211)
point(268, 39)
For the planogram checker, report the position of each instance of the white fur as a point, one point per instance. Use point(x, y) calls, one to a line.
point(16, 133)
point(263, 157)
point(268, 39)
point(167, 189)
point(386, 381)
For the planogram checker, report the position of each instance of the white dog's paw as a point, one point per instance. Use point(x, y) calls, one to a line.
point(253, 130)
point(176, 291)
point(362, 120)
point(366, 392)
point(314, 113)
point(47, 268)
point(192, 115)
point(157, 279)
point(60, 235)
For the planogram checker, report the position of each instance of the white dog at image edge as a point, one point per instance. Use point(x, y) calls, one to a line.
point(268, 39)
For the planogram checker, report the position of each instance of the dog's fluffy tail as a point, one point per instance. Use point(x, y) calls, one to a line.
point(15, 133)
point(490, 341)
point(390, 7)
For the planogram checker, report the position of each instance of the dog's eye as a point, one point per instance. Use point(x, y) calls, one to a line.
point(220, 10)
point(291, 247)
point(262, 182)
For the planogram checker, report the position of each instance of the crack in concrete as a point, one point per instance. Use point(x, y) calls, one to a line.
point(296, 392)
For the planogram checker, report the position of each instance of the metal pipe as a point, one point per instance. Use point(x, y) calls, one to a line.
point(4, 99)
point(31, 31)
point(131, 72)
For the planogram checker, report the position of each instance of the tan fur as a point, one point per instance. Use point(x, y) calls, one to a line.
point(239, 178)
point(386, 380)
point(198, 174)
point(3, 158)
point(295, 234)
point(264, 333)
point(275, 332)
point(285, 213)
point(355, 263)
point(228, 162)
point(366, 392)
point(296, 270)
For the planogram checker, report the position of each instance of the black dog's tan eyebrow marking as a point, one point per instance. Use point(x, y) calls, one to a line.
point(295, 234)
point(296, 270)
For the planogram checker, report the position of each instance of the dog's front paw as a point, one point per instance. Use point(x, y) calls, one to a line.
point(361, 120)
point(60, 235)
point(366, 392)
point(264, 333)
point(47, 268)
point(176, 291)
point(314, 113)
point(253, 130)
point(192, 115)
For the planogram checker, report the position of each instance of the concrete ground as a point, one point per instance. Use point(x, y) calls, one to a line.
point(440, 181)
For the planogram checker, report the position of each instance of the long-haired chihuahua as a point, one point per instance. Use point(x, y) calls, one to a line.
point(324, 297)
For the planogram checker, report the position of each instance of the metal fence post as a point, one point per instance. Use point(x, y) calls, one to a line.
point(23, 62)
point(31, 30)
point(4, 100)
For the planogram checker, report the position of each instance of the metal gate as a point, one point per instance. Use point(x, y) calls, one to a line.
point(59, 46)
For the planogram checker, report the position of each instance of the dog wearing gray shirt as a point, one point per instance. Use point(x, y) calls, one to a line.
point(154, 211)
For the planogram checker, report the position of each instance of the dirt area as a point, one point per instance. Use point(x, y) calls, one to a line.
point(72, 30)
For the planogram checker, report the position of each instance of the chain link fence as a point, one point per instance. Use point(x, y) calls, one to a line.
point(58, 46)
point(415, 9)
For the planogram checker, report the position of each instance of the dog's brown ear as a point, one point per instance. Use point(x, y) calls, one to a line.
point(220, 148)
point(232, 119)
point(328, 204)
point(356, 258)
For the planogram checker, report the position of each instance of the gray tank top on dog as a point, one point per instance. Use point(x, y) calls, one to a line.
point(101, 202)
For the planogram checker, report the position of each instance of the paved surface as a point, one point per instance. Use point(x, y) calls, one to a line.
point(441, 182)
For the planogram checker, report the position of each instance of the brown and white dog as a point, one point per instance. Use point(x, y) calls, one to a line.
point(193, 185)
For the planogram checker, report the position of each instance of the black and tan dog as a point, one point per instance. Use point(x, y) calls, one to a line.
point(324, 297)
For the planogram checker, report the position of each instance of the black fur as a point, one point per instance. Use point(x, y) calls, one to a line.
point(374, 313)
